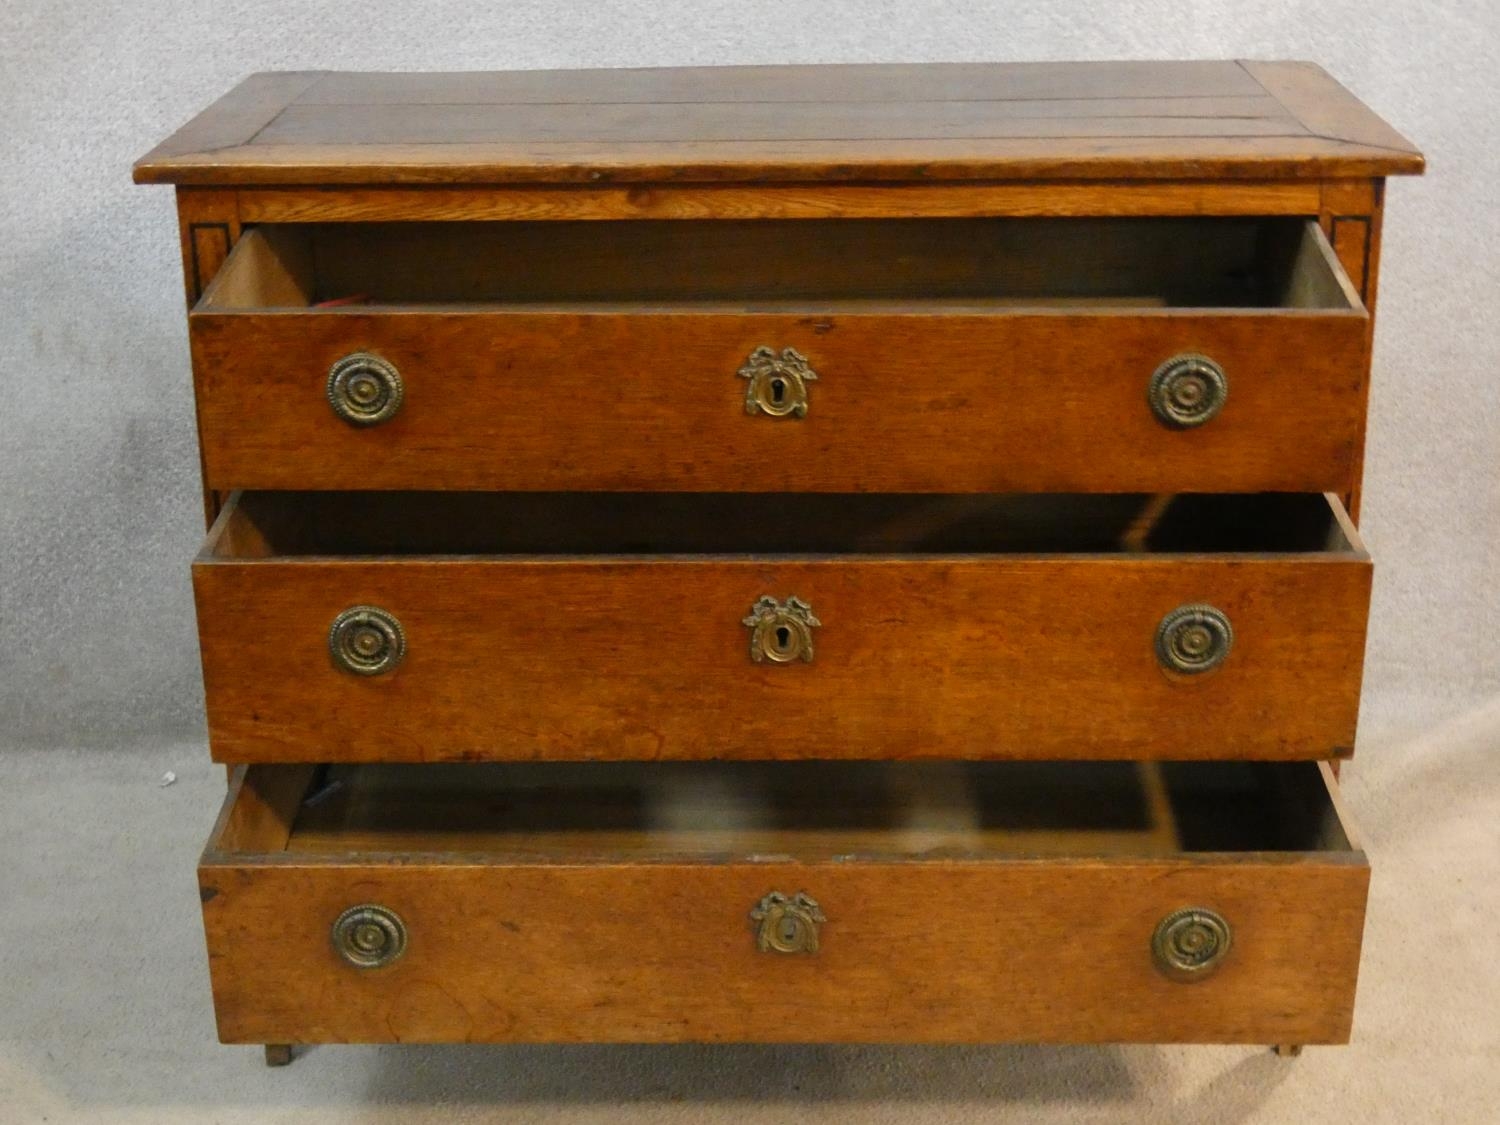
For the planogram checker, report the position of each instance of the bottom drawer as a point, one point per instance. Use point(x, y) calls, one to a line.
point(774, 902)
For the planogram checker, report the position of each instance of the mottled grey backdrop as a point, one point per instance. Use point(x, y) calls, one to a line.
point(99, 510)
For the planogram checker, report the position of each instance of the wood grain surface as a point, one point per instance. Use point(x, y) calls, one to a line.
point(577, 783)
point(773, 201)
point(611, 812)
point(1001, 358)
point(1351, 213)
point(1138, 120)
point(930, 949)
point(598, 656)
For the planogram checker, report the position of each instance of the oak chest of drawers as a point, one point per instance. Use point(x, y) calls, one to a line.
point(783, 554)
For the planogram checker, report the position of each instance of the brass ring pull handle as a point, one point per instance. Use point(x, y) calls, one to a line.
point(777, 383)
point(1193, 639)
point(369, 936)
point(1191, 943)
point(364, 390)
point(366, 640)
point(1187, 391)
point(781, 632)
point(787, 923)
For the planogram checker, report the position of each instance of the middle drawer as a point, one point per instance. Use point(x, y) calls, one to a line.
point(450, 626)
point(1014, 355)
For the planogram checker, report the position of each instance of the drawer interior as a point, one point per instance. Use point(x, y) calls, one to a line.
point(290, 524)
point(770, 265)
point(787, 811)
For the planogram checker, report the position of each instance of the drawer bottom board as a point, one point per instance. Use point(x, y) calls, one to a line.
point(981, 902)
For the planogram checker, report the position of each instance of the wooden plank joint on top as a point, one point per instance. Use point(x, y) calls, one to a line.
point(794, 124)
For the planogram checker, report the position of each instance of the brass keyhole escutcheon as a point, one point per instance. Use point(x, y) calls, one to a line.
point(1187, 391)
point(787, 923)
point(364, 390)
point(366, 640)
point(1193, 639)
point(781, 632)
point(369, 936)
point(777, 382)
point(1191, 943)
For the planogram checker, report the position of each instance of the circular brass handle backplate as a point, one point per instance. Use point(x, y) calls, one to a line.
point(1193, 639)
point(1191, 943)
point(364, 390)
point(366, 640)
point(369, 936)
point(1187, 391)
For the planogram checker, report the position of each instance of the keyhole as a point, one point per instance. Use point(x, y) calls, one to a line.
point(789, 930)
point(783, 638)
point(778, 391)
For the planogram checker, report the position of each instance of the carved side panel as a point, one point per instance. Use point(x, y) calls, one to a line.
point(209, 222)
point(1350, 214)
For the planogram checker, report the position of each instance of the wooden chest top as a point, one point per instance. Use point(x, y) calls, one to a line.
point(860, 123)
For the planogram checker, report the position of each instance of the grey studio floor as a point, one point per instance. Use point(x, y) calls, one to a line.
point(104, 1005)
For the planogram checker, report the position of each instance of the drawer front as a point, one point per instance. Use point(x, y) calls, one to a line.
point(1047, 952)
point(1030, 657)
point(363, 946)
point(655, 401)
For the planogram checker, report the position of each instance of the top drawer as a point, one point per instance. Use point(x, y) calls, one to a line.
point(1084, 355)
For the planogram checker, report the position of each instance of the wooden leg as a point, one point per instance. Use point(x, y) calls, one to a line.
point(1288, 1050)
point(278, 1054)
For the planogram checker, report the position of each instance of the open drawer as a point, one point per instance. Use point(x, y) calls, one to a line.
point(936, 355)
point(431, 626)
point(834, 902)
